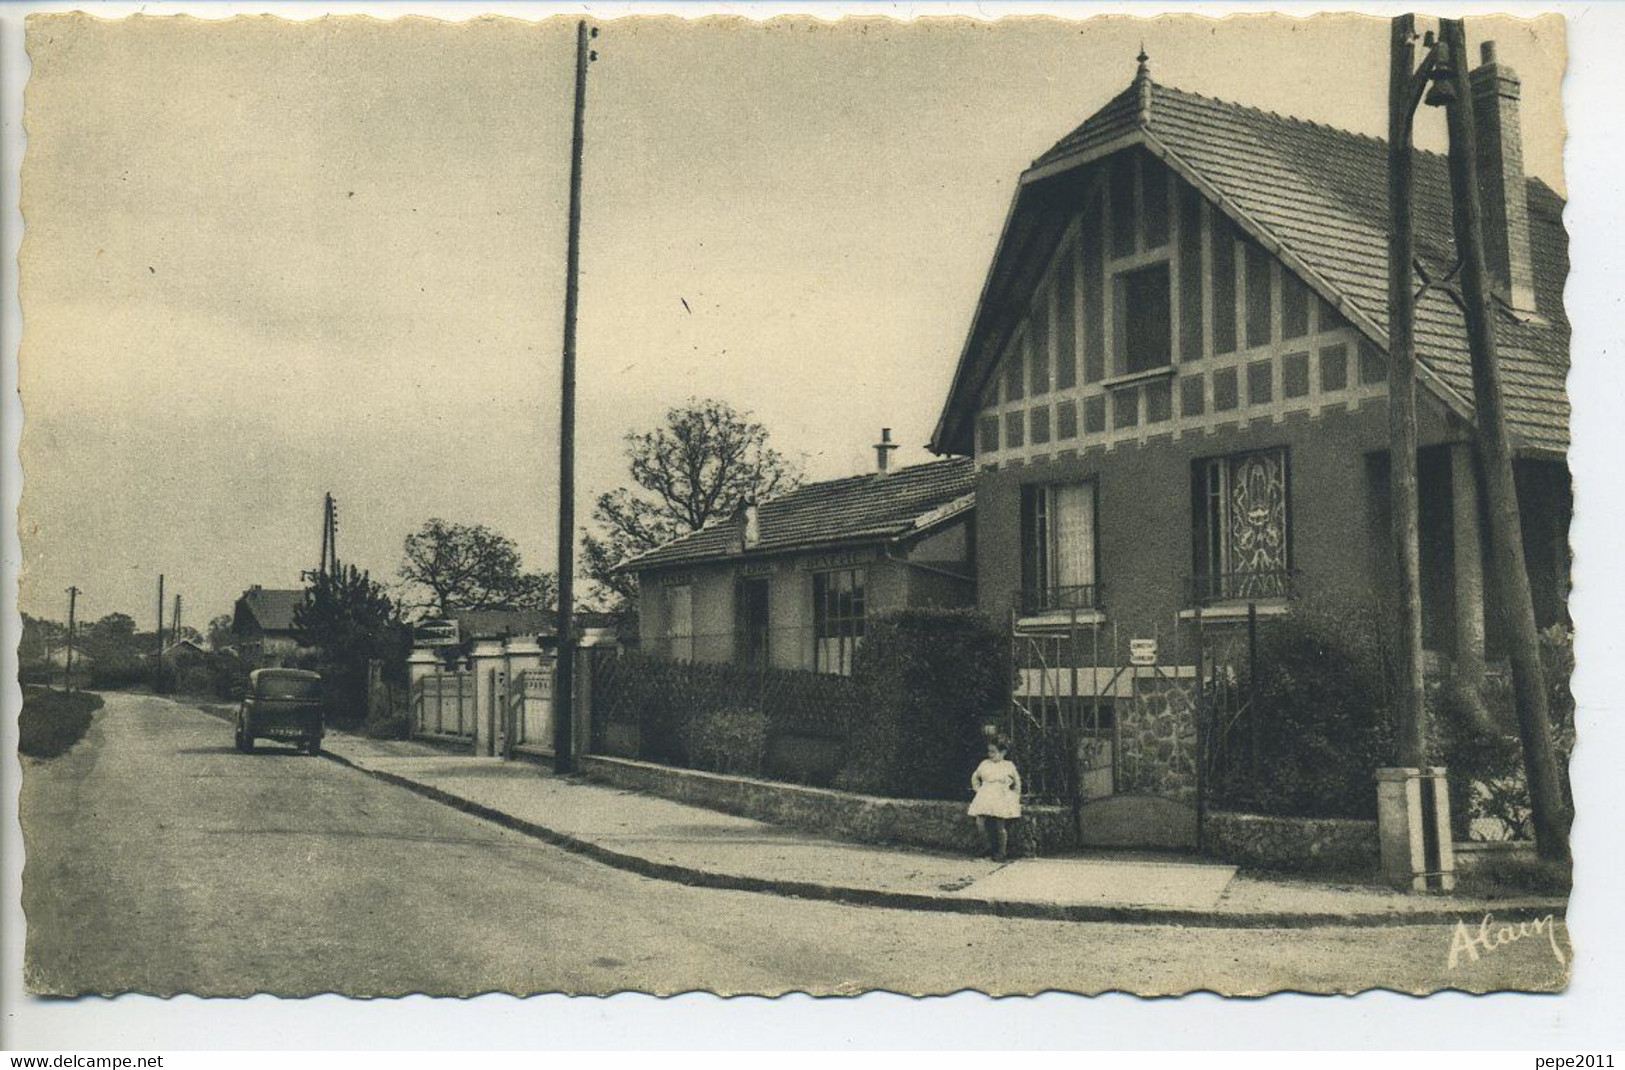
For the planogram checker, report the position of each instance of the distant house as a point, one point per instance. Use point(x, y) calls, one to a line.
point(262, 623)
point(185, 650)
point(791, 583)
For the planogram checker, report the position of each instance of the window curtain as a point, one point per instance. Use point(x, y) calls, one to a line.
point(1073, 517)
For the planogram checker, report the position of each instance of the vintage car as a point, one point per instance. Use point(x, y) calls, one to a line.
point(281, 704)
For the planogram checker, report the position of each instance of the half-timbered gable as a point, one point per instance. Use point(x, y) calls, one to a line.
point(1156, 315)
point(1175, 384)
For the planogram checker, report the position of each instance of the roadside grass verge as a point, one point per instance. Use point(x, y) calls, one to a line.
point(1515, 876)
point(51, 721)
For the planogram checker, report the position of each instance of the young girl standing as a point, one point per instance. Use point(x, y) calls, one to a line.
point(997, 784)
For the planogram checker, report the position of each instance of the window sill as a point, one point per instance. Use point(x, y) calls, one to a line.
point(1059, 618)
point(1165, 371)
point(1229, 611)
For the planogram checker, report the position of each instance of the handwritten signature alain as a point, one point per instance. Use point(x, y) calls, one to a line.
point(1491, 936)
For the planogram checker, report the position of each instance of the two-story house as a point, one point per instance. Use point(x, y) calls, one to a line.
point(1174, 387)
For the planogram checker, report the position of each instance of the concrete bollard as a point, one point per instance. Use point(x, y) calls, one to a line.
point(1413, 829)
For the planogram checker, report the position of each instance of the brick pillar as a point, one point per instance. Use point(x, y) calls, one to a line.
point(1496, 91)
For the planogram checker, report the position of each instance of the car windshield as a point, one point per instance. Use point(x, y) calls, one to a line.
point(294, 687)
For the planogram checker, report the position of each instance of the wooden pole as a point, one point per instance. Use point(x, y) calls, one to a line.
point(564, 724)
point(327, 526)
point(1412, 716)
point(158, 662)
point(67, 672)
point(1511, 576)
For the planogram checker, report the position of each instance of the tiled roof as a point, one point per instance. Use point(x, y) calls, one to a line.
point(1321, 194)
point(858, 509)
point(495, 623)
point(273, 609)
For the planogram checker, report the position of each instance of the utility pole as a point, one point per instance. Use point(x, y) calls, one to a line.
point(1405, 86)
point(564, 692)
point(175, 623)
point(67, 672)
point(158, 665)
point(1511, 576)
point(327, 526)
point(331, 537)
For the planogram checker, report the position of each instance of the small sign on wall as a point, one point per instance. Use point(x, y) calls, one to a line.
point(1142, 651)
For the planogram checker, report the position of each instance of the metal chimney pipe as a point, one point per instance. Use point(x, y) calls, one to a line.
point(883, 451)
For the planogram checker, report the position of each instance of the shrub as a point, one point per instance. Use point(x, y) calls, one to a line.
point(1476, 739)
point(727, 739)
point(927, 679)
point(163, 679)
point(1323, 698)
point(114, 675)
point(52, 721)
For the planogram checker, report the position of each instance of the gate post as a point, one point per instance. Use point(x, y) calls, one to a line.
point(483, 661)
point(1413, 829)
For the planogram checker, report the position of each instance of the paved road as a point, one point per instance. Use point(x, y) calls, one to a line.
point(160, 860)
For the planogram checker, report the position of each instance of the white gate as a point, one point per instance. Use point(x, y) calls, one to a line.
point(530, 709)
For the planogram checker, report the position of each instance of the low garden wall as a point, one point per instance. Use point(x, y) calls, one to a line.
point(931, 824)
point(1308, 844)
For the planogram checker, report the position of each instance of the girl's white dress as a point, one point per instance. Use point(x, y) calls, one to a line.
point(998, 789)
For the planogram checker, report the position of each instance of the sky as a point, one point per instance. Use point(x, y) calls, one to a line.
point(265, 260)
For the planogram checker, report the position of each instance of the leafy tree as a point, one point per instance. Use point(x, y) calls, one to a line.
point(40, 637)
point(112, 640)
point(349, 620)
point(469, 566)
point(220, 633)
point(705, 462)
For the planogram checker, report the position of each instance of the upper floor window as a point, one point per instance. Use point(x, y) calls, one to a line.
point(838, 619)
point(1243, 530)
point(1058, 547)
point(1143, 320)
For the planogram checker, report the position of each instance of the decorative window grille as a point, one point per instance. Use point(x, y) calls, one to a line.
point(838, 616)
point(1243, 526)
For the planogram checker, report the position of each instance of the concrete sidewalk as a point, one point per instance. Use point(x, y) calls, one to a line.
point(673, 841)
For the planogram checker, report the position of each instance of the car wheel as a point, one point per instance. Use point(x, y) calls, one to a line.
point(313, 747)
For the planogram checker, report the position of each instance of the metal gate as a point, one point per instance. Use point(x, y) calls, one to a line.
point(1126, 729)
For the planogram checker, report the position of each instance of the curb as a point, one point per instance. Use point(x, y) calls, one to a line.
point(874, 897)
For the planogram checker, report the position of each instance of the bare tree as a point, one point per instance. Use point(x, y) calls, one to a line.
point(704, 462)
point(469, 566)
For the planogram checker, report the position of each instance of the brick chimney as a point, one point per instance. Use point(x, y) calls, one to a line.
point(747, 529)
point(1496, 90)
point(883, 451)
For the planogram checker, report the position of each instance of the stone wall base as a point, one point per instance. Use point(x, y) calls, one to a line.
point(1301, 844)
point(925, 823)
